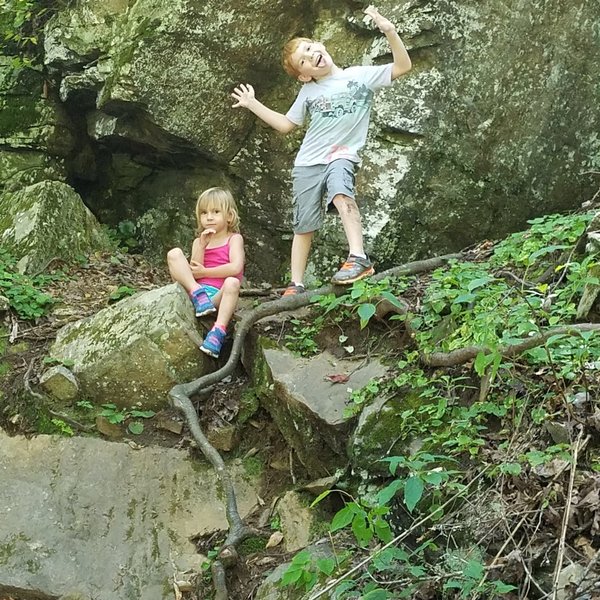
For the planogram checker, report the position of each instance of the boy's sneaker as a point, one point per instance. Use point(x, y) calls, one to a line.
point(202, 304)
point(294, 290)
point(213, 342)
point(352, 270)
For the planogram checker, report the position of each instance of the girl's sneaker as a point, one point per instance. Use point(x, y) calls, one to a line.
point(201, 301)
point(213, 342)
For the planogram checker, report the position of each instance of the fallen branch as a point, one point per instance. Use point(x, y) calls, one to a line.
point(463, 355)
point(181, 393)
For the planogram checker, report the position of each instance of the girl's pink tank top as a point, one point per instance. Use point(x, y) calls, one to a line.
point(215, 257)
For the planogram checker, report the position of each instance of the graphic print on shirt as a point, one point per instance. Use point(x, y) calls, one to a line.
point(337, 105)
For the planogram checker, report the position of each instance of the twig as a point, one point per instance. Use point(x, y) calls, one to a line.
point(565, 522)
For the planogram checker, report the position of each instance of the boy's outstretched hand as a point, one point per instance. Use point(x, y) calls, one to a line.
point(382, 23)
point(243, 94)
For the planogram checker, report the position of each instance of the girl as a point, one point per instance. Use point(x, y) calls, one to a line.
point(212, 277)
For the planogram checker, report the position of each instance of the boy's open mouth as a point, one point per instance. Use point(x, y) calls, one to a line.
point(320, 61)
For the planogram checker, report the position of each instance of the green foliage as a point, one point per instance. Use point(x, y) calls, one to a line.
point(24, 292)
point(62, 428)
point(305, 571)
point(121, 292)
point(471, 414)
point(301, 339)
point(116, 416)
point(359, 300)
point(21, 24)
point(123, 236)
point(547, 236)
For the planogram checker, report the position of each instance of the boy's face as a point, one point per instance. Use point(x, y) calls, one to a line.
point(312, 61)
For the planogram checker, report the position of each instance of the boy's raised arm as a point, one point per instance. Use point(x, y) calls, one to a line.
point(244, 97)
point(402, 62)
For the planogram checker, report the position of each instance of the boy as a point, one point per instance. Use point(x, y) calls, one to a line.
point(339, 104)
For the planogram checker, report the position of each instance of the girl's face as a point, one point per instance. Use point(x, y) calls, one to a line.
point(212, 217)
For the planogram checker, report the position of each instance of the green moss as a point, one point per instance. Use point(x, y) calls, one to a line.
point(252, 545)
point(18, 348)
point(18, 116)
point(249, 404)
point(9, 548)
point(253, 466)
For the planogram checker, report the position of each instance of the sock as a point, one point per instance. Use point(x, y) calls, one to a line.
point(223, 328)
point(358, 255)
point(298, 283)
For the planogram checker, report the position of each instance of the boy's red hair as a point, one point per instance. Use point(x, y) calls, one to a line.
point(288, 50)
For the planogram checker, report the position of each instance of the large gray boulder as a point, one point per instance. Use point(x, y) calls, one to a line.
point(136, 350)
point(47, 220)
point(307, 407)
point(104, 519)
point(495, 124)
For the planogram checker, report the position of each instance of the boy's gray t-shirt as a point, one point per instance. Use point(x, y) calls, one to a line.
point(339, 107)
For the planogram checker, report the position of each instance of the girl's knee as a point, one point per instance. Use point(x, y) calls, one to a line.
point(174, 254)
point(231, 285)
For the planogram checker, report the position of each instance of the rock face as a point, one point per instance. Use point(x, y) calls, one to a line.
point(136, 350)
point(495, 124)
point(307, 408)
point(103, 520)
point(47, 220)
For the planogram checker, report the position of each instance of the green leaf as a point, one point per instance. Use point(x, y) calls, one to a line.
point(320, 497)
point(365, 312)
point(503, 588)
point(389, 491)
point(142, 414)
point(292, 575)
point(477, 283)
point(342, 519)
point(393, 299)
point(413, 491)
point(433, 477)
point(360, 530)
point(326, 565)
point(378, 594)
point(473, 570)
point(135, 427)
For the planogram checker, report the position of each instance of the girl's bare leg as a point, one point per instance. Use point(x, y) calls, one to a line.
point(180, 270)
point(226, 300)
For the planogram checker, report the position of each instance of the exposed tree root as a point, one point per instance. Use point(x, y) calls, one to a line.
point(180, 399)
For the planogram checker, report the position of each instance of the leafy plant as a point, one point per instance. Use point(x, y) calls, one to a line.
point(301, 339)
point(62, 428)
point(121, 292)
point(21, 23)
point(305, 571)
point(24, 293)
point(116, 416)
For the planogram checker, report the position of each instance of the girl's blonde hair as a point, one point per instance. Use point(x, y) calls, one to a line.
point(222, 199)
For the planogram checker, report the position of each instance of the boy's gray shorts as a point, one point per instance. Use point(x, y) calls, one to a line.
point(312, 184)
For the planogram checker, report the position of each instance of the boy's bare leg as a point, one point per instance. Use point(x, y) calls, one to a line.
point(300, 249)
point(226, 299)
point(350, 215)
point(180, 270)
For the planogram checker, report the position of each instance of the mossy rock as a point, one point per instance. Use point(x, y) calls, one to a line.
point(48, 220)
